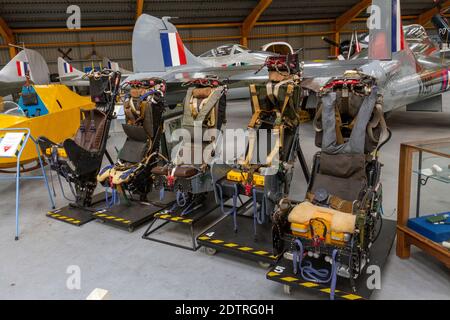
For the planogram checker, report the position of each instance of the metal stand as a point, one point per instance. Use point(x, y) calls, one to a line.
point(18, 175)
point(282, 272)
point(128, 216)
point(244, 243)
point(164, 217)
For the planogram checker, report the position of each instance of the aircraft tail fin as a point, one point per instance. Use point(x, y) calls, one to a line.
point(442, 26)
point(67, 71)
point(386, 30)
point(26, 61)
point(107, 63)
point(157, 46)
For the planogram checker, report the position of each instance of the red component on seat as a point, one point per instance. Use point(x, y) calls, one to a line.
point(317, 241)
point(346, 82)
point(248, 189)
point(170, 181)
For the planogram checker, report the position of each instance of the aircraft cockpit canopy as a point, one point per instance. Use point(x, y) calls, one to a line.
point(11, 108)
point(415, 32)
point(225, 50)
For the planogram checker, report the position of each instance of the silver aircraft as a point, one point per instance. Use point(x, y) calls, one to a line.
point(408, 66)
point(13, 74)
point(229, 55)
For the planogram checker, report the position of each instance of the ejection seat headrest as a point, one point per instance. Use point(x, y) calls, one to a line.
point(282, 67)
point(202, 93)
point(208, 82)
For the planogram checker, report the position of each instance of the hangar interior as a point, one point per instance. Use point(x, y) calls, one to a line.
point(38, 265)
point(203, 25)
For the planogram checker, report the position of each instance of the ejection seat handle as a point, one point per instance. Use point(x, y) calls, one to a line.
point(108, 156)
point(301, 159)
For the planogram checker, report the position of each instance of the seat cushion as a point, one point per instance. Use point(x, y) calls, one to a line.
point(160, 171)
point(202, 93)
point(339, 221)
point(185, 172)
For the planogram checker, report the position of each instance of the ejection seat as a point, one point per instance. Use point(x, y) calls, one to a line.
point(188, 173)
point(266, 177)
point(339, 220)
point(79, 159)
point(143, 106)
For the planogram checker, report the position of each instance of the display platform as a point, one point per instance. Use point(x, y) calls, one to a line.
point(78, 216)
point(130, 216)
point(166, 216)
point(283, 273)
point(223, 238)
point(127, 216)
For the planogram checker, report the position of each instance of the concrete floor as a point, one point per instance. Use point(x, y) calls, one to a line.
point(35, 267)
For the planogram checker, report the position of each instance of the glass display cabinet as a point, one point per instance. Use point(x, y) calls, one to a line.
point(423, 192)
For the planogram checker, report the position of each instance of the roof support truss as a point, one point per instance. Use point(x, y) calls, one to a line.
point(425, 17)
point(348, 16)
point(139, 7)
point(252, 18)
point(8, 37)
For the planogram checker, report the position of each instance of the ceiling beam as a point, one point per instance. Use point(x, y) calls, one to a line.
point(8, 37)
point(425, 17)
point(351, 14)
point(139, 7)
point(190, 26)
point(252, 18)
point(346, 18)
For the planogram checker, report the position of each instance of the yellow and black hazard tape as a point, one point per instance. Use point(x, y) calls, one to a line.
point(291, 280)
point(238, 247)
point(19, 147)
point(103, 215)
point(169, 217)
point(62, 217)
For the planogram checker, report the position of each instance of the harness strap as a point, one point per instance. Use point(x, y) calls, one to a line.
point(356, 142)
point(256, 107)
point(195, 117)
point(338, 126)
point(252, 135)
point(289, 92)
point(275, 151)
point(317, 118)
point(378, 120)
point(270, 93)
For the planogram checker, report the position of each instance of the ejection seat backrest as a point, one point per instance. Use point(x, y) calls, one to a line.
point(341, 166)
point(348, 114)
point(203, 107)
point(273, 94)
point(91, 132)
point(342, 175)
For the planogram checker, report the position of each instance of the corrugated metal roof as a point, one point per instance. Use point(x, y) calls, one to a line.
point(52, 13)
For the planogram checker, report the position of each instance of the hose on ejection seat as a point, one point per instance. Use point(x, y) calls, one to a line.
point(309, 273)
point(233, 211)
point(258, 216)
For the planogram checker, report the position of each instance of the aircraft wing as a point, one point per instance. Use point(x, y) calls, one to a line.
point(7, 87)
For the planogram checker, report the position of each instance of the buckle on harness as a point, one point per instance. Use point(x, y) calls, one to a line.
point(248, 189)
